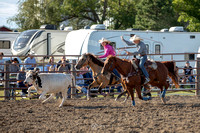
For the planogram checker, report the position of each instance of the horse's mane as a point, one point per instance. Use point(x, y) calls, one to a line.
point(96, 60)
point(124, 60)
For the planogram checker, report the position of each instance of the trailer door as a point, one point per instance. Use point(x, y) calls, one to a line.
point(149, 48)
point(157, 49)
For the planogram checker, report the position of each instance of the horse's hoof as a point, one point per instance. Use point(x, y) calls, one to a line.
point(163, 100)
point(150, 98)
point(146, 98)
point(103, 94)
point(133, 103)
point(124, 101)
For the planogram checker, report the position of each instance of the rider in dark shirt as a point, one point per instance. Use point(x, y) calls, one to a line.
point(141, 51)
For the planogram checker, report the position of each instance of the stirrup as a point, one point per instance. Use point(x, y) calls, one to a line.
point(146, 80)
point(118, 79)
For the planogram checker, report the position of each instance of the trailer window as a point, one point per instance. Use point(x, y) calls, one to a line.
point(147, 46)
point(112, 44)
point(157, 49)
point(189, 57)
point(4, 44)
point(192, 36)
point(23, 39)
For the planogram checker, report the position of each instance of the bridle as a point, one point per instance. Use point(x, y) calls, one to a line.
point(83, 61)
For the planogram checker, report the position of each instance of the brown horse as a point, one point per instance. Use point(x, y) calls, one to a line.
point(99, 80)
point(133, 79)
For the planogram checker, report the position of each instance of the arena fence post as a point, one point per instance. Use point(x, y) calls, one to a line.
point(73, 89)
point(197, 84)
point(6, 83)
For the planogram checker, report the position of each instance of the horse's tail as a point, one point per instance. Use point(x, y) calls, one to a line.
point(172, 72)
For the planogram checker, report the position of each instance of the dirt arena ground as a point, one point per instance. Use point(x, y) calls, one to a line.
point(181, 114)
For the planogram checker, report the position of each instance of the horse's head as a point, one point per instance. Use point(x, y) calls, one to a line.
point(83, 61)
point(109, 65)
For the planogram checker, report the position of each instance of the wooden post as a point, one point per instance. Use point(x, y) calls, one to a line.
point(6, 83)
point(14, 69)
point(197, 79)
point(73, 89)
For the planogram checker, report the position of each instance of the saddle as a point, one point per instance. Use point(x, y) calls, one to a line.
point(149, 65)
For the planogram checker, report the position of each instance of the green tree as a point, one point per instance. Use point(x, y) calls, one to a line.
point(121, 13)
point(91, 10)
point(189, 11)
point(155, 14)
point(79, 13)
point(33, 13)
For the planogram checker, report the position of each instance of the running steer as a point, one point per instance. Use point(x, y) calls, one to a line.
point(51, 83)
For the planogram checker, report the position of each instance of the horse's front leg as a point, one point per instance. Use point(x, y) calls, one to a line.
point(125, 92)
point(162, 95)
point(102, 85)
point(146, 90)
point(92, 85)
point(125, 89)
point(122, 93)
point(138, 91)
point(131, 92)
point(126, 98)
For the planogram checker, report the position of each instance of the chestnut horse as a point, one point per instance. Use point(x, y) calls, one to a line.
point(99, 80)
point(132, 78)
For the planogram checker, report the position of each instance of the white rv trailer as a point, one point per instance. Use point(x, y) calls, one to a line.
point(6, 39)
point(41, 42)
point(86, 41)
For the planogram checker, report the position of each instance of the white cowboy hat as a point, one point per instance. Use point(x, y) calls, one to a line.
point(104, 40)
point(135, 38)
point(32, 53)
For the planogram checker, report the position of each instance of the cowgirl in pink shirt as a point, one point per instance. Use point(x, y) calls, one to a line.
point(108, 50)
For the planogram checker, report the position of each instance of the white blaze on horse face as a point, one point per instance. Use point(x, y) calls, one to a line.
point(29, 78)
point(82, 61)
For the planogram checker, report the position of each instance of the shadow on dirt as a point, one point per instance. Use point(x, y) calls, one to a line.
point(97, 107)
point(182, 105)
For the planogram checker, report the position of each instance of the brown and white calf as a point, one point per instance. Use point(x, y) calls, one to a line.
point(50, 83)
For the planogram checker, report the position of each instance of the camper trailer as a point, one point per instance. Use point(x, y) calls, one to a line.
point(6, 39)
point(86, 41)
point(40, 41)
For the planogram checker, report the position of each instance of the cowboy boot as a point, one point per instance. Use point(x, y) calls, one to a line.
point(146, 80)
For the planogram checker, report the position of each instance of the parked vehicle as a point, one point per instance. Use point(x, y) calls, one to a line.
point(86, 41)
point(40, 41)
point(6, 39)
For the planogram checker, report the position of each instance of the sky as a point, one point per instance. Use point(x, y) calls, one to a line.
point(8, 8)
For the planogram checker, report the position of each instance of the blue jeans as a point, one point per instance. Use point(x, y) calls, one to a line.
point(116, 73)
point(190, 79)
point(30, 68)
point(143, 59)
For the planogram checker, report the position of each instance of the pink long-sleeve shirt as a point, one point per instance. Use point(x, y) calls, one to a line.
point(108, 50)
